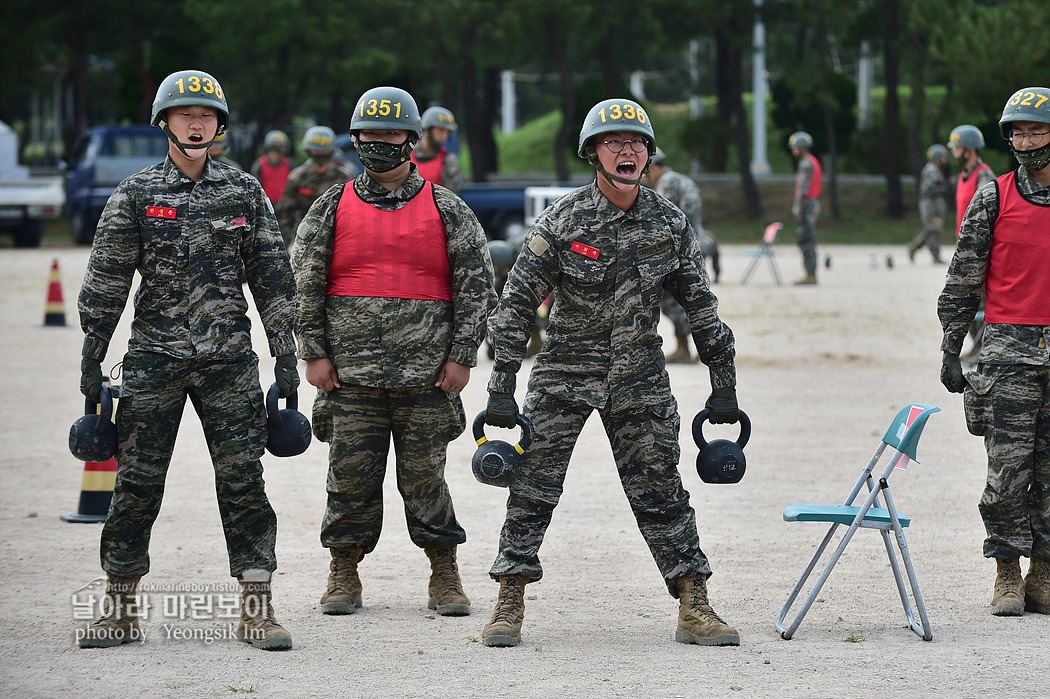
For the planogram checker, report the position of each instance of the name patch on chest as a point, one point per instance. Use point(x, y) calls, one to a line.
point(160, 212)
point(585, 250)
point(655, 248)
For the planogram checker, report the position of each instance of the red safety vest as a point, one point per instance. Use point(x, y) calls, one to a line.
point(274, 177)
point(965, 188)
point(814, 184)
point(391, 254)
point(430, 170)
point(1017, 286)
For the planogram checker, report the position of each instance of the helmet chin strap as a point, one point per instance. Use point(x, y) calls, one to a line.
point(592, 158)
point(163, 124)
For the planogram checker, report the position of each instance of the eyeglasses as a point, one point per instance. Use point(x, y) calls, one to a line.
point(616, 144)
point(1017, 138)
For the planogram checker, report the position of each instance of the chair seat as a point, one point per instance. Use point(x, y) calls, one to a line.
point(843, 514)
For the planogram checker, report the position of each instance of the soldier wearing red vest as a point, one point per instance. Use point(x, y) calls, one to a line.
point(394, 286)
point(806, 205)
point(964, 142)
point(1003, 249)
point(437, 163)
point(273, 167)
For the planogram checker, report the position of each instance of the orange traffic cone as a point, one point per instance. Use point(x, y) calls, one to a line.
point(96, 492)
point(55, 311)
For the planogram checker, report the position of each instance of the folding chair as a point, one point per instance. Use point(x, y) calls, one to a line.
point(902, 437)
point(765, 249)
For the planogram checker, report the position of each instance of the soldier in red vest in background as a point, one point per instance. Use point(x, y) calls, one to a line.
point(964, 142)
point(806, 206)
point(437, 163)
point(394, 286)
point(273, 167)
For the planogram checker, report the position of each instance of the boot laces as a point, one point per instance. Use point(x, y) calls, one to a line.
point(344, 568)
point(509, 601)
point(699, 606)
point(447, 572)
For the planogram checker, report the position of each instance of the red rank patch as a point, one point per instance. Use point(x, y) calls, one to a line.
point(239, 221)
point(306, 191)
point(585, 250)
point(160, 212)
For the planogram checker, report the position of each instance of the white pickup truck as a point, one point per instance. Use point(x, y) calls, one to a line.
point(25, 202)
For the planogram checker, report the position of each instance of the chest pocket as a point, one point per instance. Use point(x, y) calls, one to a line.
point(584, 279)
point(653, 269)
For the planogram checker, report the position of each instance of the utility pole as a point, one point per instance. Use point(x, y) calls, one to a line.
point(759, 160)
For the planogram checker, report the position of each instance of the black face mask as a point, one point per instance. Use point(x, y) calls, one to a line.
point(379, 156)
point(321, 160)
point(1033, 159)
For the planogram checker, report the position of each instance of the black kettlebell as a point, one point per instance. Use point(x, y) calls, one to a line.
point(93, 437)
point(498, 463)
point(289, 430)
point(720, 461)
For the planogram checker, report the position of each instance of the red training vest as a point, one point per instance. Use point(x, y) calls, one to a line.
point(1017, 286)
point(400, 254)
point(274, 177)
point(814, 184)
point(965, 188)
point(430, 170)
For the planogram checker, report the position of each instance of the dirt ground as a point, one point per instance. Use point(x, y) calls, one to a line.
point(822, 371)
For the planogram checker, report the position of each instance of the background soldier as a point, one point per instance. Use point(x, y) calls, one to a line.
point(311, 179)
point(806, 205)
point(964, 142)
point(219, 151)
point(273, 167)
point(605, 252)
point(395, 284)
point(1003, 250)
point(435, 162)
point(681, 191)
point(185, 225)
point(933, 188)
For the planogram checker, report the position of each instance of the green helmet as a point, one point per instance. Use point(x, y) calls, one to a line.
point(1027, 104)
point(615, 115)
point(440, 117)
point(966, 136)
point(936, 152)
point(276, 139)
point(386, 108)
point(186, 88)
point(319, 139)
point(800, 139)
point(503, 256)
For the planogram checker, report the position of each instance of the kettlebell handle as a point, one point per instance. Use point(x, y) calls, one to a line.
point(703, 415)
point(104, 408)
point(273, 414)
point(523, 422)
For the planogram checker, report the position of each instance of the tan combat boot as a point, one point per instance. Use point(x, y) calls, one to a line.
point(1037, 586)
point(681, 355)
point(697, 622)
point(445, 589)
point(344, 585)
point(808, 280)
point(119, 622)
point(1008, 597)
point(258, 623)
point(504, 629)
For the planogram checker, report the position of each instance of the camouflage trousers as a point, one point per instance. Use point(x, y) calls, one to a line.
point(932, 226)
point(421, 421)
point(228, 399)
point(674, 311)
point(645, 446)
point(806, 234)
point(1009, 405)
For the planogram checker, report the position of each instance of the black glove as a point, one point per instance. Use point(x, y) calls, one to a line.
point(91, 379)
point(951, 373)
point(286, 373)
point(502, 410)
point(722, 404)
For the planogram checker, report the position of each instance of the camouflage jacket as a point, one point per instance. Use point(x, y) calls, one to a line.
point(1002, 343)
point(305, 184)
point(393, 342)
point(681, 191)
point(606, 271)
point(451, 174)
point(188, 240)
point(933, 188)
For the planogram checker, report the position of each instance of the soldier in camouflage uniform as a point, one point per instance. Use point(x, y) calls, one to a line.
point(437, 163)
point(395, 284)
point(311, 179)
point(933, 188)
point(683, 193)
point(219, 149)
point(1003, 248)
point(806, 205)
point(186, 225)
point(605, 252)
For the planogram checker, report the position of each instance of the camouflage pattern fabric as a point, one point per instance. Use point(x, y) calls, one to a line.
point(806, 211)
point(673, 310)
point(933, 188)
point(229, 401)
point(682, 191)
point(645, 446)
point(451, 172)
point(422, 422)
point(305, 184)
point(1007, 399)
point(189, 242)
point(606, 271)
